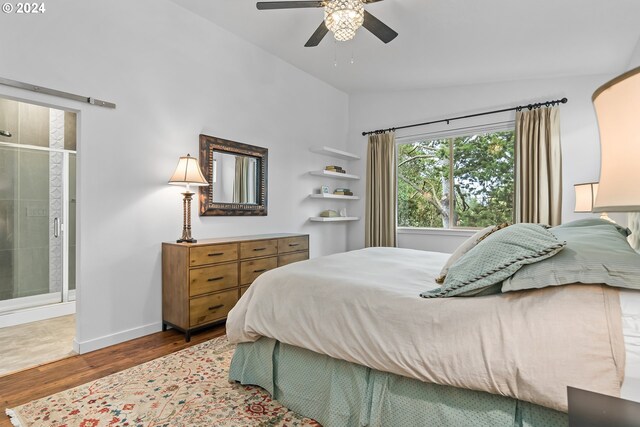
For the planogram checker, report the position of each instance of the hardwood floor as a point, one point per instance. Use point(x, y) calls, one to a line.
point(22, 387)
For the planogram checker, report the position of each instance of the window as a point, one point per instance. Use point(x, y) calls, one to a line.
point(463, 181)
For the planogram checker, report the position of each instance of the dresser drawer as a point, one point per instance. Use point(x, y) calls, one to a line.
point(293, 244)
point(211, 279)
point(243, 290)
point(258, 248)
point(291, 258)
point(249, 270)
point(211, 307)
point(210, 254)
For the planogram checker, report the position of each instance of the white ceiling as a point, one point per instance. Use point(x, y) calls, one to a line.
point(444, 42)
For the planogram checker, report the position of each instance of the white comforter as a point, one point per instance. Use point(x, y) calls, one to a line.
point(364, 307)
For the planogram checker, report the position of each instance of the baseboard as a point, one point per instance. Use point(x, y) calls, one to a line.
point(117, 338)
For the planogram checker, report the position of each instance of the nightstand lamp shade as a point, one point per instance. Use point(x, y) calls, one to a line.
point(617, 105)
point(585, 196)
point(187, 173)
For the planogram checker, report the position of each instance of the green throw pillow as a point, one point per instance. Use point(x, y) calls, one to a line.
point(594, 254)
point(483, 268)
point(590, 222)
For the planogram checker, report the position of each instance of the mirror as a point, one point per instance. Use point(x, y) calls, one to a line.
point(237, 176)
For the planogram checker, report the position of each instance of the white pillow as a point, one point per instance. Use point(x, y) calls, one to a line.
point(466, 247)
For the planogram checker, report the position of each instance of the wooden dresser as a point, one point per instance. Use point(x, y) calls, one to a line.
point(201, 282)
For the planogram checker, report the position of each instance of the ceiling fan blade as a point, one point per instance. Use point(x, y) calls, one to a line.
point(378, 28)
point(317, 36)
point(370, 1)
point(266, 5)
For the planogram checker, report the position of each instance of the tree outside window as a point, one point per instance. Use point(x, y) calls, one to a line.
point(465, 181)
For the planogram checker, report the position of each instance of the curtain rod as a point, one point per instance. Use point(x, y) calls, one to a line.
point(518, 108)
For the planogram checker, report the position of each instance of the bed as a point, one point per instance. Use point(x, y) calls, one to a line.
point(345, 339)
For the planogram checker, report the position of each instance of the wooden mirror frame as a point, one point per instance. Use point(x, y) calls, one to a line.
point(209, 144)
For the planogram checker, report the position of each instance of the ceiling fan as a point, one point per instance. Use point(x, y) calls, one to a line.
point(342, 17)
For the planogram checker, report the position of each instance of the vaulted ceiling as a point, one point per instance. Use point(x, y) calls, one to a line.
point(444, 42)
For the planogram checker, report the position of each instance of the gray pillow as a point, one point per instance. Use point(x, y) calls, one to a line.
point(590, 222)
point(480, 271)
point(594, 254)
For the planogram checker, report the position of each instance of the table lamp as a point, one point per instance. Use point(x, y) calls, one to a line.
point(585, 198)
point(617, 105)
point(187, 173)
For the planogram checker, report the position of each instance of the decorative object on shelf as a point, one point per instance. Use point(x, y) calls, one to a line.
point(343, 192)
point(335, 169)
point(324, 189)
point(343, 212)
point(342, 17)
point(237, 174)
point(329, 213)
point(187, 173)
point(617, 103)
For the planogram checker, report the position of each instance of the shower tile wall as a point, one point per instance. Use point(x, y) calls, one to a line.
point(56, 184)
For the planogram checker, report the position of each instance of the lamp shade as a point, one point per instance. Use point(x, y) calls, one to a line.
point(585, 196)
point(188, 172)
point(617, 105)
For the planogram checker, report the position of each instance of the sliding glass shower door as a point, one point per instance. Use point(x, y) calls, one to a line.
point(37, 206)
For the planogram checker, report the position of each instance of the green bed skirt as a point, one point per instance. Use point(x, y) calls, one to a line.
point(338, 393)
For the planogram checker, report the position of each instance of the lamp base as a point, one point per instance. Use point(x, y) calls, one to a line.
point(603, 215)
point(186, 241)
point(186, 219)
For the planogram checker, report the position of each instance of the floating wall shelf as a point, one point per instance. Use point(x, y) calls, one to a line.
point(333, 219)
point(333, 196)
point(334, 152)
point(336, 175)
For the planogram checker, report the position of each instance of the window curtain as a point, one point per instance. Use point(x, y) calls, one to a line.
point(244, 190)
point(538, 166)
point(380, 213)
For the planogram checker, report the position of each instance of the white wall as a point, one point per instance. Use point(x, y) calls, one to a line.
point(634, 61)
point(580, 141)
point(173, 76)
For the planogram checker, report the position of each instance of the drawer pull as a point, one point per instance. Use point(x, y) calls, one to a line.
point(259, 249)
point(213, 279)
point(260, 271)
point(294, 244)
point(215, 307)
point(216, 254)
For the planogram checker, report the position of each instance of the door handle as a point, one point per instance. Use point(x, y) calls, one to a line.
point(56, 227)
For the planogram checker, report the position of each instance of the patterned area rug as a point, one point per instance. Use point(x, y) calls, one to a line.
point(184, 389)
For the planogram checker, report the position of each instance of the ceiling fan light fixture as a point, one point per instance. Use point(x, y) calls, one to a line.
point(343, 18)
